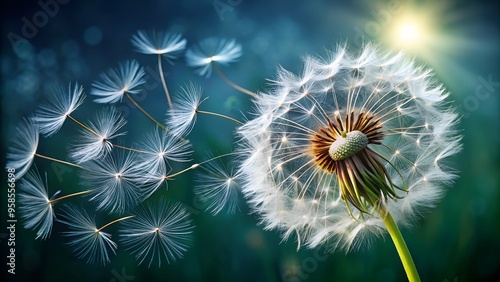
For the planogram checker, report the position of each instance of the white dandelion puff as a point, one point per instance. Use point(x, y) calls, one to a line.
point(153, 180)
point(23, 147)
point(217, 187)
point(210, 51)
point(160, 147)
point(51, 115)
point(157, 42)
point(94, 140)
point(36, 208)
point(114, 182)
point(88, 241)
point(157, 232)
point(181, 118)
point(115, 83)
point(35, 205)
point(332, 152)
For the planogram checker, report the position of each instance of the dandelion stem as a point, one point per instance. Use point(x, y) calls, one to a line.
point(57, 160)
point(182, 171)
point(195, 166)
point(69, 196)
point(160, 70)
point(83, 125)
point(132, 149)
point(232, 84)
point(399, 242)
point(219, 115)
point(113, 222)
point(143, 111)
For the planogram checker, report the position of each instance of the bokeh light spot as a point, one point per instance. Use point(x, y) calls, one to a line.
point(409, 32)
point(92, 35)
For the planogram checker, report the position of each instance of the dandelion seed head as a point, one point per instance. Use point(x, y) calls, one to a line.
point(352, 147)
point(348, 145)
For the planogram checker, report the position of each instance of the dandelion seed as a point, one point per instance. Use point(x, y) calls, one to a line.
point(51, 115)
point(23, 147)
point(218, 187)
point(210, 51)
point(89, 241)
point(347, 143)
point(157, 42)
point(93, 141)
point(161, 147)
point(182, 117)
point(36, 208)
point(153, 180)
point(114, 181)
point(164, 44)
point(160, 231)
point(115, 83)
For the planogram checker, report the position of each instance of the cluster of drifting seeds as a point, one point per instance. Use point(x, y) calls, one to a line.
point(119, 180)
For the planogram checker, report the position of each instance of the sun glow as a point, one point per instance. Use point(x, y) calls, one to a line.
point(409, 32)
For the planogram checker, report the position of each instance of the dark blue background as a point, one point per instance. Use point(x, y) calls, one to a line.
point(457, 241)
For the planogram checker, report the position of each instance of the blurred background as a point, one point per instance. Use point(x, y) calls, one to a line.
point(75, 40)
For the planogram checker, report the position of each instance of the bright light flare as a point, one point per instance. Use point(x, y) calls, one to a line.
point(409, 32)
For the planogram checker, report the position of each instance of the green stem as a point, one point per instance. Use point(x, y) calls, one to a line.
point(399, 242)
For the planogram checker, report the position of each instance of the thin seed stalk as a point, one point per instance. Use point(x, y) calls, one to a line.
point(113, 222)
point(57, 160)
point(220, 115)
point(162, 77)
point(144, 111)
point(69, 196)
point(399, 242)
point(82, 125)
point(232, 84)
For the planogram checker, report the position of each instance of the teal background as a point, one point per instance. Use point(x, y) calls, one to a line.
point(455, 241)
